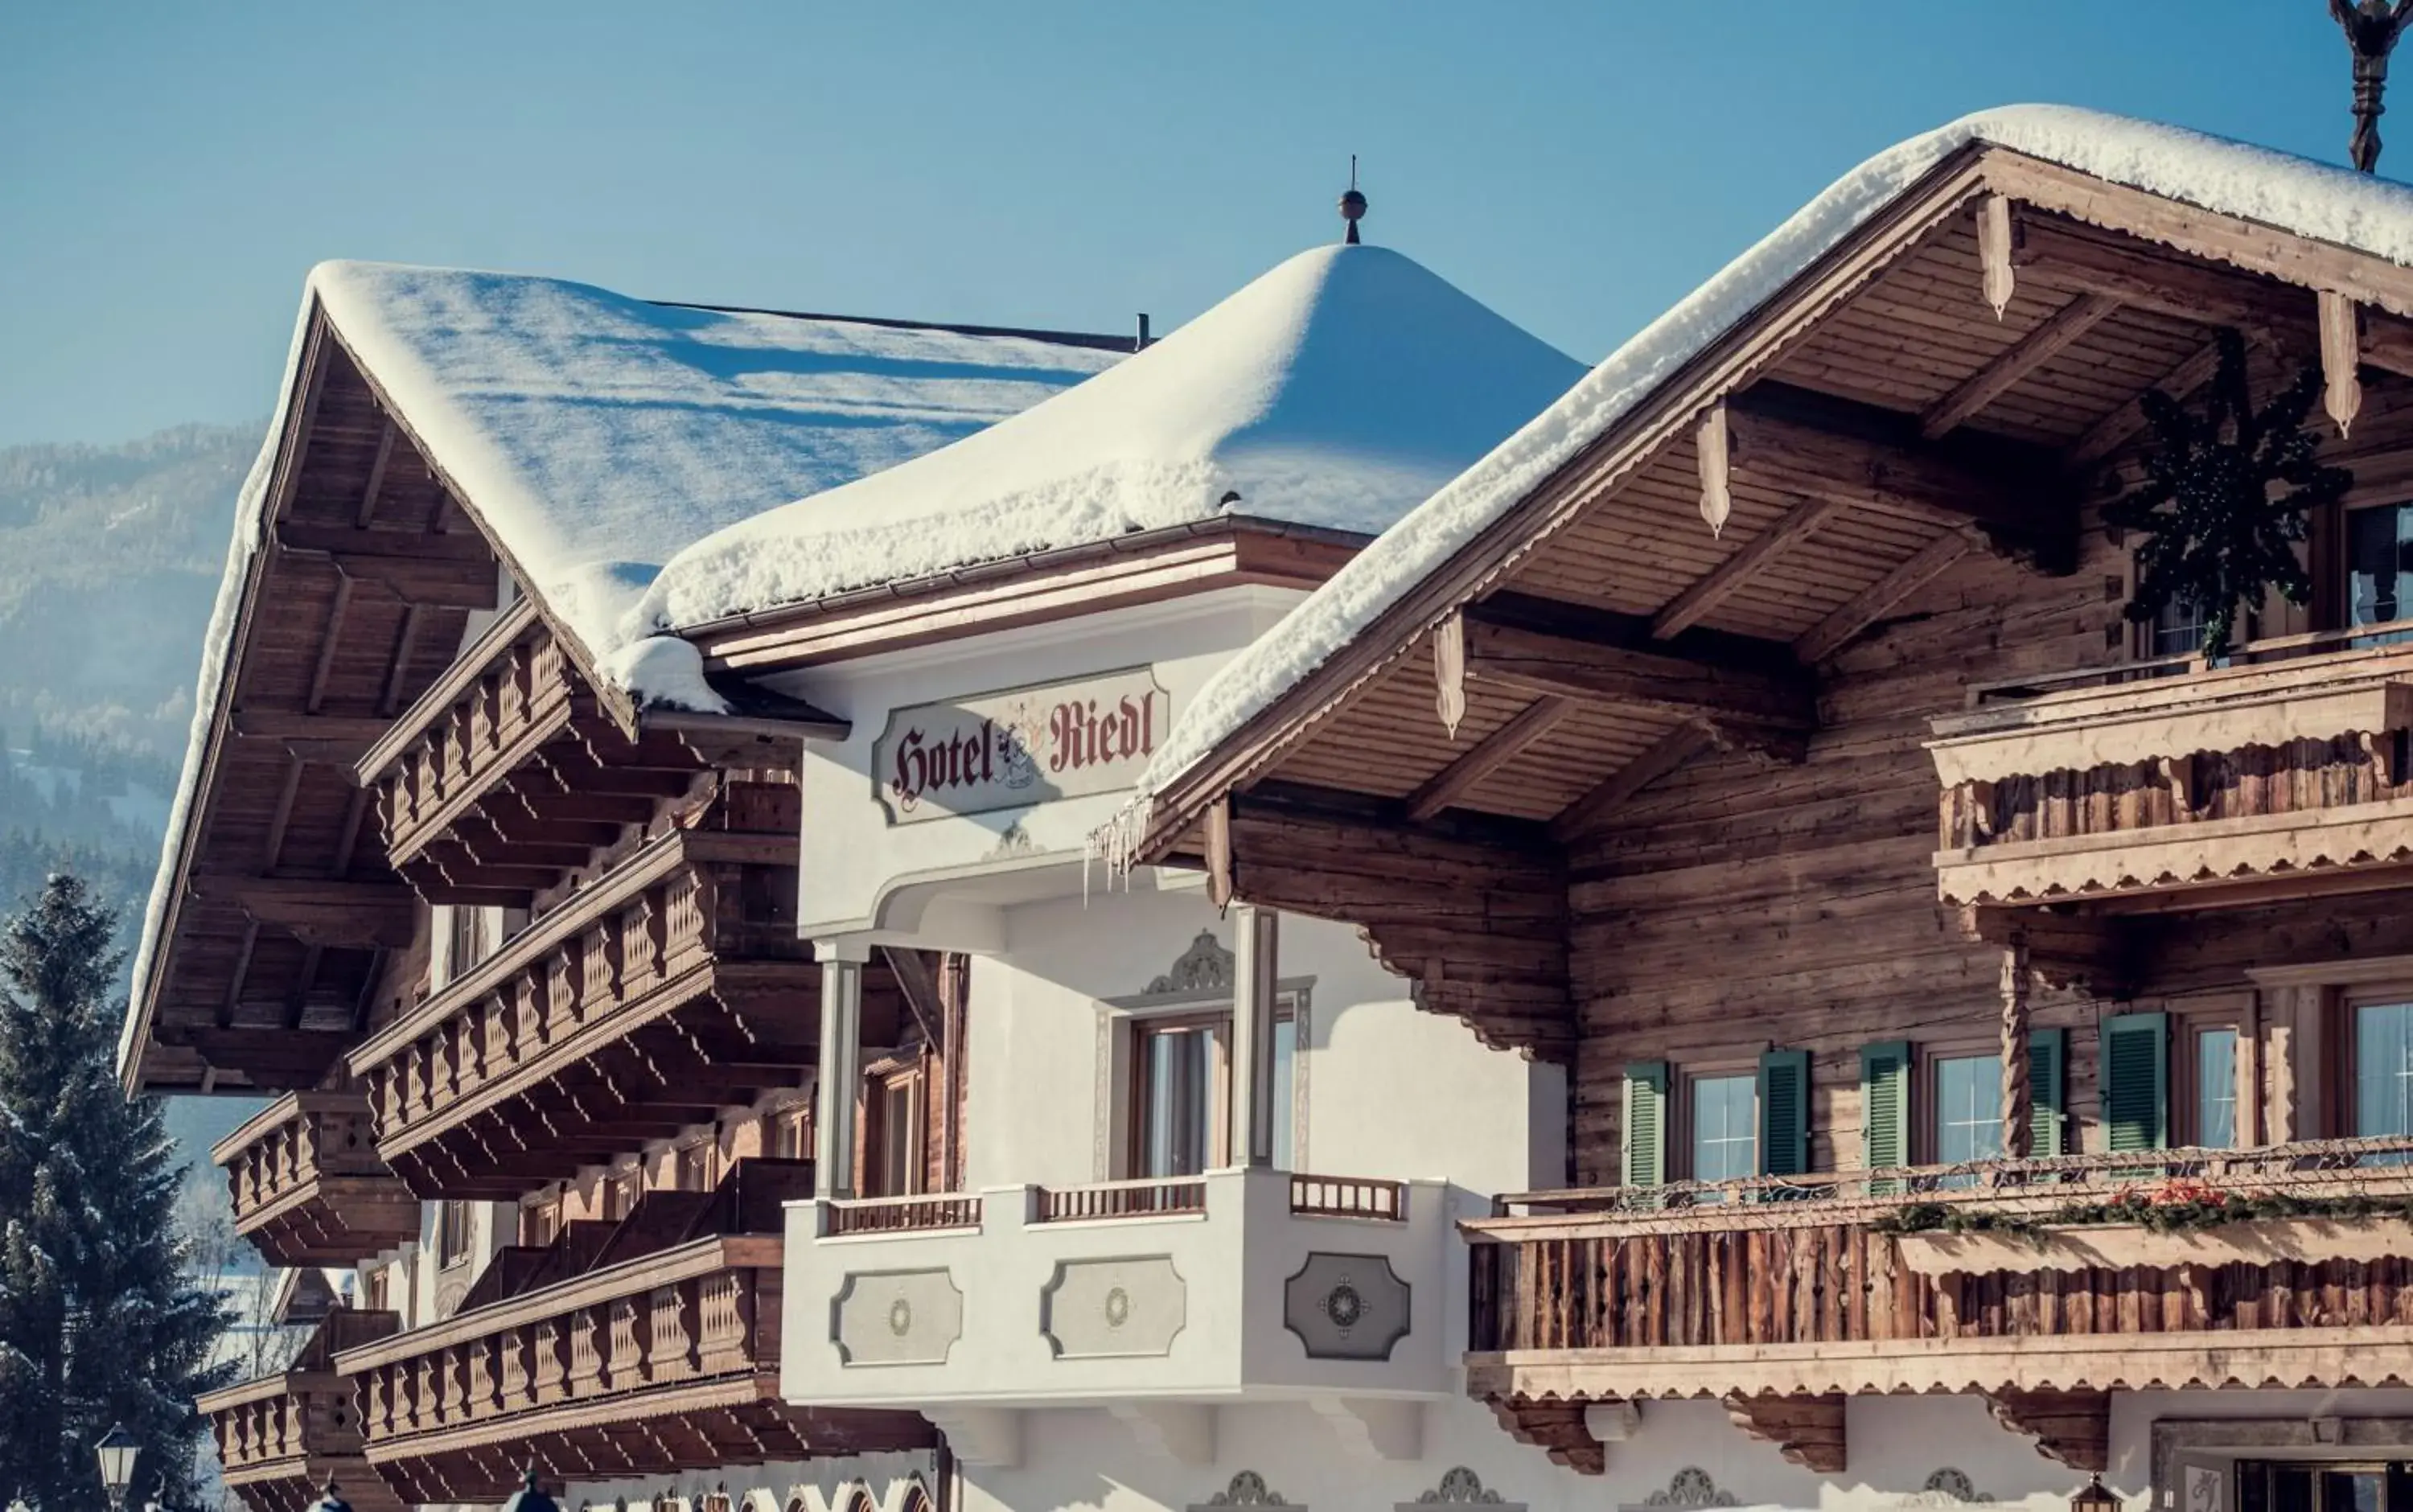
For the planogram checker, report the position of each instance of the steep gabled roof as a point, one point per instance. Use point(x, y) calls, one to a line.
point(431, 425)
point(1439, 555)
point(1336, 390)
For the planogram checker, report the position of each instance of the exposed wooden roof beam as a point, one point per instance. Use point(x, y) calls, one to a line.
point(1596, 808)
point(1800, 441)
point(1689, 607)
point(2030, 352)
point(335, 911)
point(1828, 635)
point(397, 666)
point(376, 476)
point(1605, 672)
point(1808, 1431)
point(242, 969)
point(1495, 751)
point(2143, 276)
point(273, 844)
point(2107, 434)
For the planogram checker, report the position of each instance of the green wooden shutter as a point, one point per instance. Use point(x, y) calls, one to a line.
point(2135, 1073)
point(1885, 1109)
point(1646, 1123)
point(1785, 1113)
point(2049, 1091)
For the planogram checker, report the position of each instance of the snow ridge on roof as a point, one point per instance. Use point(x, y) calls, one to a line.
point(1337, 390)
point(596, 435)
point(2314, 199)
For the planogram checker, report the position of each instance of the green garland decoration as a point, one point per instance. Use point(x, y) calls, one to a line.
point(2163, 1217)
point(2216, 532)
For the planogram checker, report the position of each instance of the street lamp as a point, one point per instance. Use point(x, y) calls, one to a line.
point(530, 1497)
point(2094, 1497)
point(117, 1449)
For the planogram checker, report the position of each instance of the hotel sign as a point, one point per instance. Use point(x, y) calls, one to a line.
point(1020, 747)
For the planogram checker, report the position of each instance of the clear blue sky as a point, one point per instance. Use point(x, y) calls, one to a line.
point(169, 172)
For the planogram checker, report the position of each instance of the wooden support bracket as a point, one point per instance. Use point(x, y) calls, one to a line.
point(1555, 1428)
point(1807, 1430)
point(2072, 1428)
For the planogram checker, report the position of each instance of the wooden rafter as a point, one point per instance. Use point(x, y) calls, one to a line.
point(1799, 524)
point(1807, 1430)
point(1454, 782)
point(2107, 434)
point(2030, 352)
point(1596, 808)
point(377, 474)
point(1602, 671)
point(2145, 277)
point(1829, 634)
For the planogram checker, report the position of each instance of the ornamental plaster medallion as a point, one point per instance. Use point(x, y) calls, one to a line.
point(1691, 1487)
point(896, 1317)
point(1461, 1487)
point(1247, 1488)
point(1346, 1306)
point(1102, 1309)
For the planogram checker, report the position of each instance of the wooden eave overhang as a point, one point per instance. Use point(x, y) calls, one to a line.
point(1142, 567)
point(2117, 290)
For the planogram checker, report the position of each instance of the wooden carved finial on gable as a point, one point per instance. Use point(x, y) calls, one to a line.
point(1994, 252)
point(1449, 672)
point(1717, 494)
point(2372, 28)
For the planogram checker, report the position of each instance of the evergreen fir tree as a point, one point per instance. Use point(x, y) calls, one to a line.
point(100, 1320)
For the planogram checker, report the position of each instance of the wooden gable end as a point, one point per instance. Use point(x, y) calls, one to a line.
point(282, 906)
point(1904, 481)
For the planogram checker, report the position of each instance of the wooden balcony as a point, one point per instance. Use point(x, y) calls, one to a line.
point(2170, 783)
point(655, 1365)
point(279, 1438)
point(1783, 1296)
point(508, 771)
point(308, 1186)
point(671, 986)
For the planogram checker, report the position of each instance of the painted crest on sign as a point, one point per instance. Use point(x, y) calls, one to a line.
point(1019, 746)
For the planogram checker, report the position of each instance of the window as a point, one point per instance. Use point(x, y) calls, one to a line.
point(696, 1166)
point(1968, 1108)
point(1182, 1072)
point(2177, 629)
point(1725, 1127)
point(620, 1194)
point(374, 1290)
point(2380, 565)
point(451, 1233)
point(787, 1133)
point(2383, 1068)
point(540, 1223)
point(893, 1142)
point(2214, 1104)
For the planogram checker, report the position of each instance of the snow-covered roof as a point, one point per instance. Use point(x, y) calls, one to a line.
point(2313, 199)
point(595, 435)
point(1337, 390)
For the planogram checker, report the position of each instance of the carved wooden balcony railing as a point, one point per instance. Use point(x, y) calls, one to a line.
point(280, 1437)
point(308, 1186)
point(506, 772)
point(668, 987)
point(1781, 1295)
point(2285, 769)
point(660, 1365)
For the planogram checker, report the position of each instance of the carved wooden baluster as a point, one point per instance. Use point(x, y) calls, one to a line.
point(596, 994)
point(376, 1405)
point(552, 1360)
point(564, 976)
point(423, 1409)
point(727, 1310)
point(626, 1367)
point(517, 1387)
point(634, 928)
point(683, 924)
point(673, 1357)
point(586, 1352)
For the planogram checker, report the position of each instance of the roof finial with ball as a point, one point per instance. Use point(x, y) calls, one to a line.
point(1352, 204)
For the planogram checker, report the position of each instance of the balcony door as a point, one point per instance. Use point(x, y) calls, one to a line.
point(1182, 1071)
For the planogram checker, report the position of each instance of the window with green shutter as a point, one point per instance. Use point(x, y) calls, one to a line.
point(1785, 1113)
point(2049, 1091)
point(2135, 1074)
point(1645, 1162)
point(1884, 1110)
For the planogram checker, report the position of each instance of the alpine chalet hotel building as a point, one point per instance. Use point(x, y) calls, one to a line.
point(1666, 913)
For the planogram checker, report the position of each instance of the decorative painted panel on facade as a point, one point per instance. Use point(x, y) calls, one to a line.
point(1346, 1306)
point(1102, 1309)
point(896, 1317)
